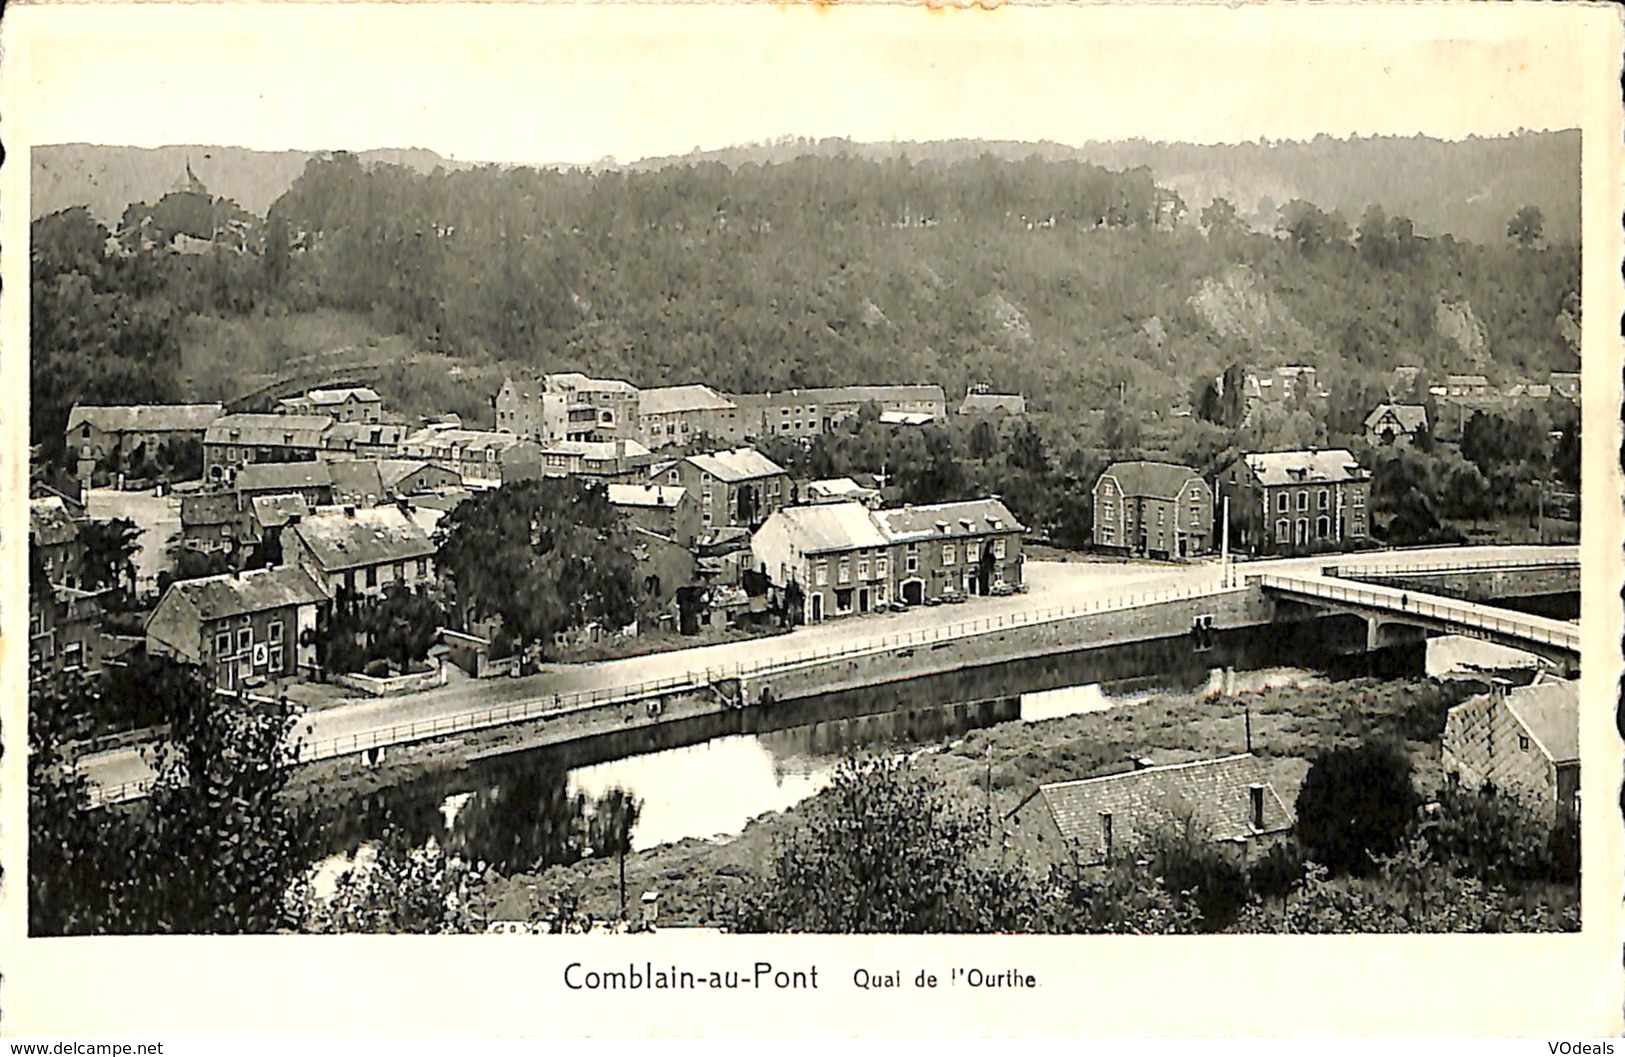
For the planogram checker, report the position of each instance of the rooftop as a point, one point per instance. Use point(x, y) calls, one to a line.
point(1214, 794)
point(966, 517)
point(327, 397)
point(352, 538)
point(49, 522)
point(1161, 480)
point(1410, 417)
point(831, 527)
point(268, 430)
point(597, 449)
point(283, 476)
point(1297, 467)
point(232, 594)
point(646, 495)
point(1551, 712)
point(739, 464)
point(675, 398)
point(356, 477)
point(273, 510)
point(138, 418)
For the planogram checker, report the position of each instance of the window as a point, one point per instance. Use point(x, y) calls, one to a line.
point(1162, 514)
point(222, 643)
point(1358, 496)
point(84, 431)
point(1325, 499)
point(423, 568)
point(672, 477)
point(705, 519)
point(274, 631)
point(998, 547)
point(276, 658)
point(880, 568)
point(1106, 508)
point(1303, 500)
point(372, 576)
point(1280, 502)
point(947, 554)
point(821, 573)
point(1323, 526)
point(1523, 743)
point(863, 568)
point(245, 639)
point(1283, 530)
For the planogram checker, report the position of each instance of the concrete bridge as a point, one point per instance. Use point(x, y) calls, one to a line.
point(1518, 575)
point(1384, 605)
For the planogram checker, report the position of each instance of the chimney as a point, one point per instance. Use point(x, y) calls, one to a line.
point(1498, 689)
point(1106, 833)
point(1143, 763)
point(349, 511)
point(1256, 792)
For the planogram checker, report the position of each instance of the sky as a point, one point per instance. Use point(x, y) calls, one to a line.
point(577, 83)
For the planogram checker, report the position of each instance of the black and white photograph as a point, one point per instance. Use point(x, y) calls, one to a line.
point(602, 479)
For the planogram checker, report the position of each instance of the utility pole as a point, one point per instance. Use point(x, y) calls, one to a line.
point(1224, 547)
point(990, 792)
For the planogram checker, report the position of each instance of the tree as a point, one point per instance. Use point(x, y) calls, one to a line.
point(1526, 227)
point(108, 550)
point(1223, 400)
point(880, 851)
point(1376, 248)
point(214, 848)
point(395, 887)
point(1220, 220)
point(545, 556)
point(1355, 803)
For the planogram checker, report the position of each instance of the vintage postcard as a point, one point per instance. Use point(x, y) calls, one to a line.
point(672, 519)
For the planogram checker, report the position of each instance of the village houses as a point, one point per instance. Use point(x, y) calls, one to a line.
point(480, 458)
point(1524, 742)
point(1229, 801)
point(236, 441)
point(1153, 510)
point(738, 487)
point(846, 558)
point(128, 431)
point(662, 509)
point(979, 401)
point(357, 553)
point(260, 624)
point(804, 413)
point(604, 460)
point(1395, 423)
point(1285, 502)
point(352, 404)
point(681, 414)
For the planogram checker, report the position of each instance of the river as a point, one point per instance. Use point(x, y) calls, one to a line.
point(520, 809)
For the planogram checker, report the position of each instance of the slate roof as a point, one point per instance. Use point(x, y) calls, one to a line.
point(920, 522)
point(1213, 793)
point(1318, 467)
point(283, 476)
point(462, 439)
point(341, 540)
point(839, 488)
point(1159, 480)
point(597, 449)
point(906, 418)
point(1551, 712)
point(572, 380)
point(393, 471)
point(230, 595)
point(356, 477)
point(826, 527)
point(675, 398)
point(273, 510)
point(990, 403)
point(145, 418)
point(665, 497)
point(1411, 417)
point(739, 464)
point(269, 430)
point(49, 522)
point(350, 434)
point(325, 397)
point(208, 508)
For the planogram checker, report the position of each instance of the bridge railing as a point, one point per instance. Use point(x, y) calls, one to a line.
point(1418, 568)
point(1468, 617)
point(560, 705)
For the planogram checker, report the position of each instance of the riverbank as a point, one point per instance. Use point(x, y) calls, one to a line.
point(699, 880)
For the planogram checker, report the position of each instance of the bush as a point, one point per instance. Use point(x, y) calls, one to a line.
point(1356, 803)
